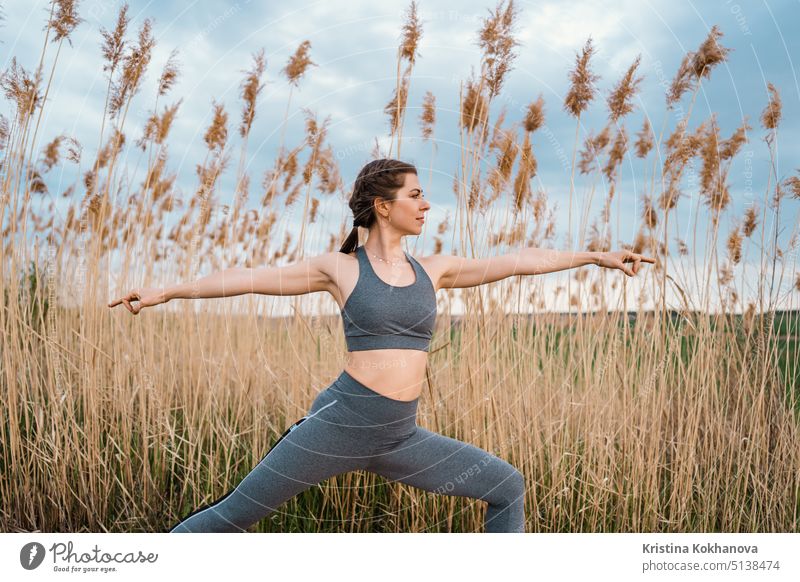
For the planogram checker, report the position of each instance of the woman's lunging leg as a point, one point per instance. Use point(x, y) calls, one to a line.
point(440, 464)
point(300, 459)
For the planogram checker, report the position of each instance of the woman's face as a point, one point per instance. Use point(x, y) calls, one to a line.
point(407, 212)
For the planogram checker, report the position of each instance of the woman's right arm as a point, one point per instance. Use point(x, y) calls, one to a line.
point(227, 283)
point(307, 276)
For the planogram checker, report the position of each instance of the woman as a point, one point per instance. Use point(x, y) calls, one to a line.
point(366, 419)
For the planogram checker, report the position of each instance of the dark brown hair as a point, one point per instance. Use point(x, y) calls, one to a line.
point(378, 179)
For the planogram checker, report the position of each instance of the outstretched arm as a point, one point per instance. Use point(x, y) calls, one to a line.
point(306, 276)
point(463, 272)
point(534, 261)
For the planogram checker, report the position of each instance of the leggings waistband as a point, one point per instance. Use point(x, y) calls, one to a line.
point(366, 397)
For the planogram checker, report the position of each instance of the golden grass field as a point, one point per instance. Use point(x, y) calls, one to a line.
point(679, 419)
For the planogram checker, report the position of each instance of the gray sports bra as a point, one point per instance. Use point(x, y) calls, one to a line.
point(377, 315)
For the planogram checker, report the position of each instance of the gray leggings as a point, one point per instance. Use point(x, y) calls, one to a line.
point(351, 427)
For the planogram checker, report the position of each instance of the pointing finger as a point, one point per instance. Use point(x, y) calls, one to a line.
point(630, 271)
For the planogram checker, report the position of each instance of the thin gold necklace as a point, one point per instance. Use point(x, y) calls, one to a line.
point(394, 263)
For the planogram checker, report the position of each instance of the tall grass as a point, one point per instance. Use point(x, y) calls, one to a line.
point(677, 419)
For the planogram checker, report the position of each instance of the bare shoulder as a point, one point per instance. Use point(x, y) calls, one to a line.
point(331, 263)
point(434, 262)
point(341, 270)
point(435, 266)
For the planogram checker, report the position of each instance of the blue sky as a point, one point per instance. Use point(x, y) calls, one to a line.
point(354, 45)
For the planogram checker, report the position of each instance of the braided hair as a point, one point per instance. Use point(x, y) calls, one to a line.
point(378, 179)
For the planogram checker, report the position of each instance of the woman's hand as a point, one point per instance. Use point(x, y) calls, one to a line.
point(617, 260)
point(146, 296)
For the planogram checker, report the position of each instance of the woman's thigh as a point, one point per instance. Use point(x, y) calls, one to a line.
point(444, 465)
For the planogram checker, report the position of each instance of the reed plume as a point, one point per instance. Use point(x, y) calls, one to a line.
point(680, 147)
point(328, 172)
point(617, 153)
point(113, 46)
point(112, 148)
point(681, 83)
point(582, 82)
point(216, 135)
point(427, 118)
point(771, 116)
point(593, 146)
point(644, 140)
point(290, 167)
point(65, 20)
point(134, 65)
point(696, 65)
point(750, 221)
point(710, 54)
point(51, 153)
point(733, 145)
point(649, 214)
point(22, 89)
point(157, 127)
point(407, 51)
point(396, 106)
point(640, 242)
point(169, 74)
point(315, 138)
point(525, 173)
point(506, 147)
point(496, 40)
point(534, 117)
point(711, 159)
point(298, 63)
point(792, 184)
point(474, 110)
point(412, 31)
point(250, 89)
point(619, 101)
point(735, 244)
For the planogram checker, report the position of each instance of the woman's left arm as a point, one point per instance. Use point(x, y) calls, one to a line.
point(535, 261)
point(462, 272)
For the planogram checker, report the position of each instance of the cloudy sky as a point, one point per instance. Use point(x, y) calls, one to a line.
point(354, 45)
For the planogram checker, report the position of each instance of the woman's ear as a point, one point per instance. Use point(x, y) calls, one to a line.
point(381, 207)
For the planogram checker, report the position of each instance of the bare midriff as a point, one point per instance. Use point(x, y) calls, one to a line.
point(394, 373)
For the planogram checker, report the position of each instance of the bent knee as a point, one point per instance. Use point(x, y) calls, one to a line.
point(517, 481)
point(512, 489)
